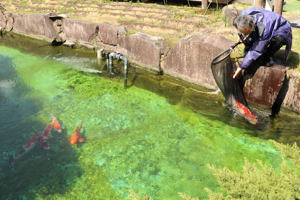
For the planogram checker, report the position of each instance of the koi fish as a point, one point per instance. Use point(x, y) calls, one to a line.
point(47, 130)
point(45, 136)
point(246, 112)
point(56, 124)
point(38, 138)
point(75, 138)
point(25, 148)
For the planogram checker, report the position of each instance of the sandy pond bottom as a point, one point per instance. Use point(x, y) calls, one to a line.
point(135, 139)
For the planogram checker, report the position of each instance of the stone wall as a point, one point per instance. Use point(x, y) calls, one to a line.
point(190, 59)
point(6, 21)
point(80, 32)
point(265, 85)
point(292, 97)
point(38, 26)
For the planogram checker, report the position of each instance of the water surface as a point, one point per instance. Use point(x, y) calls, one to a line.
point(146, 138)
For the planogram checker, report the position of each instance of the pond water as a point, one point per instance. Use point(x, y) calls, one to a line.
point(156, 137)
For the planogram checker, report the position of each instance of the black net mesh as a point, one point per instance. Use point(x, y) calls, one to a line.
point(222, 69)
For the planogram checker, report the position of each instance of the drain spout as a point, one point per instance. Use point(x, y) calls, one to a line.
point(1, 31)
point(125, 60)
point(118, 56)
point(99, 55)
point(110, 64)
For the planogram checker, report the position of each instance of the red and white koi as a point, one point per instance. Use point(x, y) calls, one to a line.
point(38, 138)
point(246, 112)
point(45, 136)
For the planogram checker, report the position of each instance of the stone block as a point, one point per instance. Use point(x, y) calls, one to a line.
point(230, 14)
point(190, 59)
point(265, 85)
point(10, 22)
point(292, 98)
point(144, 50)
point(35, 25)
point(2, 20)
point(80, 31)
point(111, 34)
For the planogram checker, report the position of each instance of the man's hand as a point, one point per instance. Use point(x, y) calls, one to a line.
point(237, 72)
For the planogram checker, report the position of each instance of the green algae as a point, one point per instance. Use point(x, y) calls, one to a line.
point(136, 140)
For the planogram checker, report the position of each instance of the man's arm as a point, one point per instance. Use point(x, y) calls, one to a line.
point(237, 72)
point(254, 53)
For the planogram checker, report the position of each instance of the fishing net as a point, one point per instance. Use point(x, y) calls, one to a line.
point(222, 69)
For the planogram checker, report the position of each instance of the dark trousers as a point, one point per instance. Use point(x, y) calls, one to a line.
point(275, 44)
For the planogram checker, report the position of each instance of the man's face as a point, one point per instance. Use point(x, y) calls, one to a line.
point(246, 31)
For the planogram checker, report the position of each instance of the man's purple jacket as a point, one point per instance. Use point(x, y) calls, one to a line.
point(274, 25)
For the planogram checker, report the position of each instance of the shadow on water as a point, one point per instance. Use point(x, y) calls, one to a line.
point(47, 171)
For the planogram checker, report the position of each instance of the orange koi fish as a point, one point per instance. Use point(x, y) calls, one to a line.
point(56, 124)
point(246, 112)
point(75, 138)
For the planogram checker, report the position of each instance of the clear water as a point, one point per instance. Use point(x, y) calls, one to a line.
point(156, 141)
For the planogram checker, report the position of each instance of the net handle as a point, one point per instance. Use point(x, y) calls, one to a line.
point(225, 53)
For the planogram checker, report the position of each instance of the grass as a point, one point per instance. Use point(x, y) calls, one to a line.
point(294, 57)
point(292, 6)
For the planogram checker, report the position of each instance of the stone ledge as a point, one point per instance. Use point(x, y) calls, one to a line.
point(34, 25)
point(143, 49)
point(111, 34)
point(80, 31)
point(292, 98)
point(191, 58)
point(265, 85)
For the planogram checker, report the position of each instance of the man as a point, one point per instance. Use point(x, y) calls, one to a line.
point(263, 32)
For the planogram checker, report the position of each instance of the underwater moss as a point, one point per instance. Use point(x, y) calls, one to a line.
point(261, 181)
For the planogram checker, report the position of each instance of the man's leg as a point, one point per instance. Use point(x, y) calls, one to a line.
point(280, 97)
point(275, 44)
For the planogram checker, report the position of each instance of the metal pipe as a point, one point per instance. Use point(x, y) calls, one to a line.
point(107, 61)
point(118, 56)
point(1, 31)
point(125, 60)
point(110, 64)
point(99, 55)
